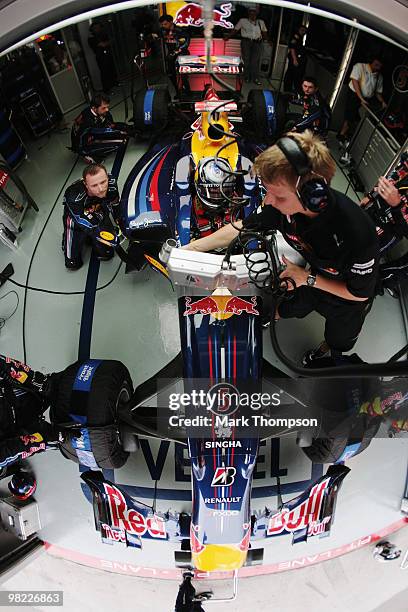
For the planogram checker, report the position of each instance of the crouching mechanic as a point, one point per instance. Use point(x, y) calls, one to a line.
point(94, 133)
point(336, 238)
point(83, 401)
point(91, 206)
point(24, 397)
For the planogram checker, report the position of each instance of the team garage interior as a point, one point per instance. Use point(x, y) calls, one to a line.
point(203, 378)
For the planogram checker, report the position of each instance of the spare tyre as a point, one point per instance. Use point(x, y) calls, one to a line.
point(151, 111)
point(89, 395)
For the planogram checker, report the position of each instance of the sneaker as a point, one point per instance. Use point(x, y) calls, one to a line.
point(393, 292)
point(89, 160)
point(257, 82)
point(73, 264)
point(345, 159)
point(310, 357)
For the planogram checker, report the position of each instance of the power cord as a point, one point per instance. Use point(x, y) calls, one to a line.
point(29, 288)
point(3, 320)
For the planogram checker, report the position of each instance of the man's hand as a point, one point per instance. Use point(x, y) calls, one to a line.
point(388, 192)
point(296, 273)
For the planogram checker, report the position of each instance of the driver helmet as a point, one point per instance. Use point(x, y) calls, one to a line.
point(22, 485)
point(215, 183)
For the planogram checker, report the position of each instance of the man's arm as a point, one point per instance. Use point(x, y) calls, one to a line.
point(335, 287)
point(219, 239)
point(380, 98)
point(357, 91)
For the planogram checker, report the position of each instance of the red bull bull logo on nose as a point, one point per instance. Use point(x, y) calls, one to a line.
point(190, 14)
point(221, 306)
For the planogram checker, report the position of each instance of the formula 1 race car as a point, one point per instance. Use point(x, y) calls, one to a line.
point(220, 327)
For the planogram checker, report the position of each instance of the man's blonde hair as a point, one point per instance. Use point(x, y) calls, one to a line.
point(272, 166)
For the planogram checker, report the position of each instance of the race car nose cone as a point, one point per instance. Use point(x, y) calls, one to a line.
point(215, 558)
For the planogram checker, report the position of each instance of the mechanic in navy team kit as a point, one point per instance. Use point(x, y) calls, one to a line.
point(24, 396)
point(334, 235)
point(90, 206)
point(176, 42)
point(316, 112)
point(296, 61)
point(94, 130)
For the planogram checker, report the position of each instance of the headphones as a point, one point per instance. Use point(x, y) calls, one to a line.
point(314, 194)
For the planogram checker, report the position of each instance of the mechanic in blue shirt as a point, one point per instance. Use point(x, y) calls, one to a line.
point(88, 205)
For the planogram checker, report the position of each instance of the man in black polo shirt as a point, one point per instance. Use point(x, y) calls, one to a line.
point(337, 239)
point(296, 61)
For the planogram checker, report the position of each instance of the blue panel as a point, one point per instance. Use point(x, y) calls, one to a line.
point(148, 107)
point(270, 111)
point(85, 374)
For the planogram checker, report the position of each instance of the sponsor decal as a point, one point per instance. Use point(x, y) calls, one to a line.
point(30, 438)
point(157, 265)
point(302, 516)
point(331, 271)
point(130, 519)
point(106, 235)
point(244, 544)
point(4, 177)
point(221, 307)
point(224, 512)
point(361, 272)
point(19, 376)
point(363, 266)
point(224, 477)
point(115, 535)
point(190, 14)
point(33, 449)
point(222, 500)
point(223, 444)
point(195, 544)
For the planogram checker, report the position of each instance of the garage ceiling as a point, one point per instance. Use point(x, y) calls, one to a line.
point(22, 18)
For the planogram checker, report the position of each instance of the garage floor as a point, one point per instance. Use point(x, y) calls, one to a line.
point(135, 321)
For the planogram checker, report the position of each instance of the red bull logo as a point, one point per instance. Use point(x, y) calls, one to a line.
point(221, 306)
point(31, 438)
point(190, 14)
point(306, 515)
point(130, 519)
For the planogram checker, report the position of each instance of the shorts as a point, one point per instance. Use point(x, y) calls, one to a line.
point(344, 318)
point(353, 104)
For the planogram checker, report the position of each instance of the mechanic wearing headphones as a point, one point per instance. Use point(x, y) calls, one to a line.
point(24, 397)
point(94, 131)
point(336, 237)
point(89, 205)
